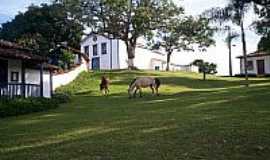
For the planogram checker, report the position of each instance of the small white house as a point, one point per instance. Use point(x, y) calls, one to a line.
point(111, 54)
point(23, 73)
point(258, 64)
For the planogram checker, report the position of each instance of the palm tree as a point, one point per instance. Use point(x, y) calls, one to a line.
point(230, 37)
point(234, 12)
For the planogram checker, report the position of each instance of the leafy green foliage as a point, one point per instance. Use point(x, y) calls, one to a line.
point(61, 98)
point(20, 106)
point(261, 7)
point(124, 19)
point(205, 67)
point(43, 28)
point(263, 25)
point(66, 59)
point(183, 33)
point(264, 43)
point(209, 68)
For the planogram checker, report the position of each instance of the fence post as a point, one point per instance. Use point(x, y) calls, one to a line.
point(23, 80)
point(41, 79)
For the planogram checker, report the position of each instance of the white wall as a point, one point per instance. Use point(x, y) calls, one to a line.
point(255, 69)
point(105, 59)
point(147, 59)
point(66, 78)
point(144, 58)
point(14, 66)
point(32, 76)
point(123, 57)
point(185, 68)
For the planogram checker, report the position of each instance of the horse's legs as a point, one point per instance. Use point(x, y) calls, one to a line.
point(134, 94)
point(140, 92)
point(153, 91)
point(102, 91)
point(107, 91)
point(157, 91)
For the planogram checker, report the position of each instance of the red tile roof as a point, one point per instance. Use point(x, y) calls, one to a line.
point(15, 51)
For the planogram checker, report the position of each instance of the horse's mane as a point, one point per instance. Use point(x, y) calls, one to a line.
point(132, 82)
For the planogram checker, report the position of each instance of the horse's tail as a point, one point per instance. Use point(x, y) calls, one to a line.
point(132, 82)
point(157, 82)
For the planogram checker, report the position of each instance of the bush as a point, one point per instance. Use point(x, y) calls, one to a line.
point(20, 106)
point(61, 98)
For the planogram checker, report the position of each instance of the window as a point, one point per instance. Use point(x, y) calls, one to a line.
point(250, 65)
point(104, 48)
point(95, 50)
point(86, 50)
point(14, 76)
point(157, 68)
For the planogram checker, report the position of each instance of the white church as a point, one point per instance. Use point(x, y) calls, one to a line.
point(111, 54)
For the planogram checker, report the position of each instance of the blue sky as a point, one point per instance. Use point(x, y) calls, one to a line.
point(9, 8)
point(217, 54)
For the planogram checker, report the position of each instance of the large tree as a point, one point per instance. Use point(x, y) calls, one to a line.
point(262, 8)
point(42, 28)
point(234, 12)
point(263, 25)
point(183, 33)
point(123, 19)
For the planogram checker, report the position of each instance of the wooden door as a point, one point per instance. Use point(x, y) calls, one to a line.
point(260, 67)
point(3, 71)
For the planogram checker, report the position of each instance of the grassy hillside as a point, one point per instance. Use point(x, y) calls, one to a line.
point(192, 119)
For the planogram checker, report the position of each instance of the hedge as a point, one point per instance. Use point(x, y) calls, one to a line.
point(21, 106)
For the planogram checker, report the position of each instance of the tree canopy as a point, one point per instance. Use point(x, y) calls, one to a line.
point(123, 19)
point(263, 25)
point(262, 8)
point(234, 12)
point(205, 67)
point(42, 28)
point(183, 34)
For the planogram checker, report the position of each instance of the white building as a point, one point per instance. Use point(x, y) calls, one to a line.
point(23, 73)
point(258, 63)
point(111, 54)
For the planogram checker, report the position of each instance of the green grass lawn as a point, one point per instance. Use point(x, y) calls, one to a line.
point(193, 119)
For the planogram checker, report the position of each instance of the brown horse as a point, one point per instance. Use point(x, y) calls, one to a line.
point(104, 85)
point(143, 82)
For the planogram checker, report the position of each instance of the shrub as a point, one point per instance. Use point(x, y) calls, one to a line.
point(20, 106)
point(61, 98)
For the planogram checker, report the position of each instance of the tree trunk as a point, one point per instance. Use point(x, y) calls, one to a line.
point(168, 61)
point(230, 54)
point(131, 55)
point(204, 72)
point(243, 37)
